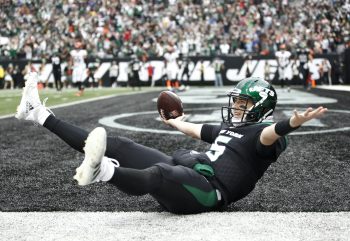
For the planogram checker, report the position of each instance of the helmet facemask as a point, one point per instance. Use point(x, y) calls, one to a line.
point(256, 101)
point(241, 112)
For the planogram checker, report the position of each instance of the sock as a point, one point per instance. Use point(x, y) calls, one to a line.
point(107, 169)
point(43, 114)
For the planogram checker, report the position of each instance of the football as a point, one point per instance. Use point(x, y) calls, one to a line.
point(169, 105)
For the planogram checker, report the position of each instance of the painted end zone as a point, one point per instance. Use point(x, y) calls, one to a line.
point(165, 226)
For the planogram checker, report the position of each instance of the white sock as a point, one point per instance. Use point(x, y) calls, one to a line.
point(43, 113)
point(107, 169)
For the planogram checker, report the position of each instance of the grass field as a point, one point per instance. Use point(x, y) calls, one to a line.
point(9, 99)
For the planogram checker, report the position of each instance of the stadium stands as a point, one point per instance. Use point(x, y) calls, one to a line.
point(32, 29)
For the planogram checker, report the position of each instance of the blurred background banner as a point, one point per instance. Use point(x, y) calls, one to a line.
point(234, 68)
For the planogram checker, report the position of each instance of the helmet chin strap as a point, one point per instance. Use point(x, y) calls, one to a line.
point(266, 117)
point(240, 121)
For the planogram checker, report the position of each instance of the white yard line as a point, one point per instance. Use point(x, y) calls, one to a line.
point(334, 87)
point(16, 226)
point(86, 100)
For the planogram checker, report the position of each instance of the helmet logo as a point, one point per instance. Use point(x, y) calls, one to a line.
point(263, 92)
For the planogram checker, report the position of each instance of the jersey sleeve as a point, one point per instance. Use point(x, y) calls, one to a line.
point(273, 151)
point(210, 132)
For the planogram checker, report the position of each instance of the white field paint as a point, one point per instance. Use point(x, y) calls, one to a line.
point(213, 114)
point(114, 226)
point(111, 121)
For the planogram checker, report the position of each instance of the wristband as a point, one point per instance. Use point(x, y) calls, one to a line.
point(283, 128)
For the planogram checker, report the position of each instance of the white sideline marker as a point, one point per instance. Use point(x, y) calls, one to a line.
point(114, 226)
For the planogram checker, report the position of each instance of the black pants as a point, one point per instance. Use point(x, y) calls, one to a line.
point(144, 170)
point(112, 80)
point(57, 77)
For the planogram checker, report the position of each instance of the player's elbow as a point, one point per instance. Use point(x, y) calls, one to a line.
point(268, 136)
point(267, 141)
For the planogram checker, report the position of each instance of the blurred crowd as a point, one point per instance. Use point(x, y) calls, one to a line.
point(35, 29)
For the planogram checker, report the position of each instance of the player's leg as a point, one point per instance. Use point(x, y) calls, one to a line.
point(127, 152)
point(55, 79)
point(59, 81)
point(288, 84)
point(133, 155)
point(75, 77)
point(79, 78)
point(177, 188)
point(281, 77)
point(31, 108)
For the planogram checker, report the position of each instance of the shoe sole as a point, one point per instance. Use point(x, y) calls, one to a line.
point(95, 147)
point(21, 108)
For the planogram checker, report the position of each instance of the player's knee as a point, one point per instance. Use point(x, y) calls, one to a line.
point(162, 168)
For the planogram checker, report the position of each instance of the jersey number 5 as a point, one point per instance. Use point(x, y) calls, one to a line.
point(216, 150)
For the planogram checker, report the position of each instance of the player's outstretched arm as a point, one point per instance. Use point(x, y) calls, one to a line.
point(271, 133)
point(190, 129)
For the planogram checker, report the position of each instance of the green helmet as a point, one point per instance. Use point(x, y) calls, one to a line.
point(261, 94)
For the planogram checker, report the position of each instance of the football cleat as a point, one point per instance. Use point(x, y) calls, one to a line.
point(95, 147)
point(30, 107)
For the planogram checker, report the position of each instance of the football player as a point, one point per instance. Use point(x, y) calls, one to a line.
point(172, 67)
point(243, 147)
point(78, 56)
point(56, 70)
point(284, 69)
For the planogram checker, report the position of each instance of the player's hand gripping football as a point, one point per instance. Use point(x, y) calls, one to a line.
point(300, 118)
point(172, 122)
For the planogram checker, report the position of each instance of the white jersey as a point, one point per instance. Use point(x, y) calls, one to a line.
point(78, 56)
point(171, 58)
point(283, 58)
point(79, 67)
point(114, 71)
point(313, 69)
point(171, 68)
point(284, 67)
point(55, 60)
